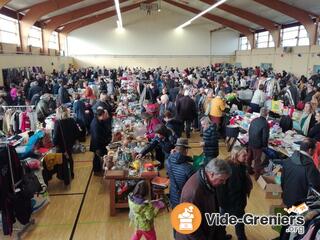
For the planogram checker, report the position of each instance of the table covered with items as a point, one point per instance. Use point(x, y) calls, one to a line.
point(283, 142)
point(122, 168)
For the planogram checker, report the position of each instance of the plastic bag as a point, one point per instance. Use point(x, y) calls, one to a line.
point(198, 161)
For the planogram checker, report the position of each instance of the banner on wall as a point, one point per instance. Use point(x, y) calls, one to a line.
point(316, 69)
point(266, 66)
point(238, 65)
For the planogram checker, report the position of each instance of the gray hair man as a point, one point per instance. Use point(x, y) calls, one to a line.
point(204, 183)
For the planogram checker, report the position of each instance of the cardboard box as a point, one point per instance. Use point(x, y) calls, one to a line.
point(271, 189)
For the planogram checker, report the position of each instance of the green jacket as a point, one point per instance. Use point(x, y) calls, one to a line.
point(142, 215)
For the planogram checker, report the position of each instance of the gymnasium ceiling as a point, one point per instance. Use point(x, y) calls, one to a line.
point(255, 15)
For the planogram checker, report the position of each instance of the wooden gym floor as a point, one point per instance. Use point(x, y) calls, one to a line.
point(81, 211)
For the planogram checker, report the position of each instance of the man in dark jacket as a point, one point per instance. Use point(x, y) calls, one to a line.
point(63, 95)
point(166, 105)
point(152, 93)
point(164, 138)
point(299, 173)
point(200, 190)
point(292, 94)
point(100, 138)
point(103, 103)
point(210, 142)
point(258, 140)
point(186, 111)
point(173, 124)
point(34, 89)
point(179, 170)
point(42, 109)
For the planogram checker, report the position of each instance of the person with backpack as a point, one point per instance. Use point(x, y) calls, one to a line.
point(164, 138)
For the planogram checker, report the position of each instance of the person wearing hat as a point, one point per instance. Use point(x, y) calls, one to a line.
point(164, 139)
point(179, 170)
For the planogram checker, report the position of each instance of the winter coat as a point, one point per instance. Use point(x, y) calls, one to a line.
point(168, 107)
point(176, 126)
point(315, 132)
point(199, 192)
point(259, 133)
point(42, 110)
point(298, 173)
point(173, 93)
point(217, 107)
point(79, 110)
point(152, 94)
point(166, 145)
point(63, 96)
point(211, 142)
point(100, 135)
point(105, 106)
point(141, 214)
point(233, 195)
point(186, 109)
point(65, 132)
point(179, 171)
point(34, 90)
point(151, 127)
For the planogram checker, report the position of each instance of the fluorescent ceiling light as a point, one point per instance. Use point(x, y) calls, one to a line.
point(202, 13)
point(119, 22)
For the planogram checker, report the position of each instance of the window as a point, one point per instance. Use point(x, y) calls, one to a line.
point(244, 44)
point(303, 37)
point(294, 36)
point(35, 37)
point(290, 36)
point(264, 40)
point(54, 42)
point(9, 30)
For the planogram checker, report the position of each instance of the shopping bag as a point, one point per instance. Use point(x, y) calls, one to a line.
point(198, 161)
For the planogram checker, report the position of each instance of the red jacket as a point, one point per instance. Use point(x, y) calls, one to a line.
point(151, 127)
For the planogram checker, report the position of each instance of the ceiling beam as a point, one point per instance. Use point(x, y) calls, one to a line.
point(272, 27)
point(93, 19)
point(36, 12)
point(225, 22)
point(304, 17)
point(59, 20)
point(3, 2)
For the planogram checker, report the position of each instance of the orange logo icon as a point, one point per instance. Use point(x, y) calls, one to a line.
point(186, 218)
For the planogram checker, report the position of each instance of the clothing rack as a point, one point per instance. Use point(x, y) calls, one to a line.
point(18, 107)
point(14, 185)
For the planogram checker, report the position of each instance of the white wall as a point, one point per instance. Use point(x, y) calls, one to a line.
point(149, 41)
point(224, 42)
point(280, 60)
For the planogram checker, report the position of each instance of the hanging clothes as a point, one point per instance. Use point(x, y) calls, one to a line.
point(7, 195)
